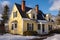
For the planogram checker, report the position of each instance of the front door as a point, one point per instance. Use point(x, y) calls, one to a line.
point(39, 28)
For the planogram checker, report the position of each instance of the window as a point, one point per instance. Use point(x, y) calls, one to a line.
point(15, 14)
point(50, 27)
point(39, 26)
point(14, 26)
point(43, 27)
point(49, 19)
point(30, 27)
point(33, 16)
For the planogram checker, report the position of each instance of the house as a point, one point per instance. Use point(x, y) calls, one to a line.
point(24, 18)
point(57, 20)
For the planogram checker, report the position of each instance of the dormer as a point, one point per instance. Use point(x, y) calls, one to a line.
point(32, 14)
point(48, 17)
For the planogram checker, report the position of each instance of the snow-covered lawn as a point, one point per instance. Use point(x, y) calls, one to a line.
point(16, 37)
point(55, 37)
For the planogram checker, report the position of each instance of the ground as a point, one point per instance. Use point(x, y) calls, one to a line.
point(18, 37)
point(54, 37)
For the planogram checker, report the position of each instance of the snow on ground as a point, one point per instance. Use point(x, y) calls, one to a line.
point(55, 37)
point(16, 37)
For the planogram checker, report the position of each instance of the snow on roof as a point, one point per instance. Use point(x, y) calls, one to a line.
point(42, 21)
point(26, 19)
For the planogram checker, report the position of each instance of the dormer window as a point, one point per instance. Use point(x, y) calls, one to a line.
point(33, 16)
point(15, 14)
point(49, 19)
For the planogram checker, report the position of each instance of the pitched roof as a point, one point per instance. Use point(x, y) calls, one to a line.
point(23, 14)
point(40, 14)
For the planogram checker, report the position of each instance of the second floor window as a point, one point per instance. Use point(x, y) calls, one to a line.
point(15, 14)
point(49, 19)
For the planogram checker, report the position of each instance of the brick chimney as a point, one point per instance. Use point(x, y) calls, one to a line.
point(23, 5)
point(36, 8)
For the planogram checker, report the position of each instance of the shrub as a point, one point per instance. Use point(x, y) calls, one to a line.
point(55, 31)
point(30, 33)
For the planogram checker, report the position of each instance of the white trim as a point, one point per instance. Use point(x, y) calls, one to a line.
point(29, 11)
point(22, 25)
point(42, 21)
point(26, 19)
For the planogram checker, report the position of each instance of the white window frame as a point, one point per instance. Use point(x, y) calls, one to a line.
point(30, 27)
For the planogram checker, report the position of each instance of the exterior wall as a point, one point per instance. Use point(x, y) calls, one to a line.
point(45, 28)
point(29, 21)
point(50, 22)
point(18, 19)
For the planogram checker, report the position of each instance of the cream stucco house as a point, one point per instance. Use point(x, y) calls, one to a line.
point(24, 18)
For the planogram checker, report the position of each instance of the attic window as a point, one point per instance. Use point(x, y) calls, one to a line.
point(49, 19)
point(33, 16)
point(15, 14)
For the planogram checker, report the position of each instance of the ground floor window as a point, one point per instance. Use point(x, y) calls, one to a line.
point(39, 25)
point(14, 26)
point(30, 27)
point(50, 27)
point(43, 27)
